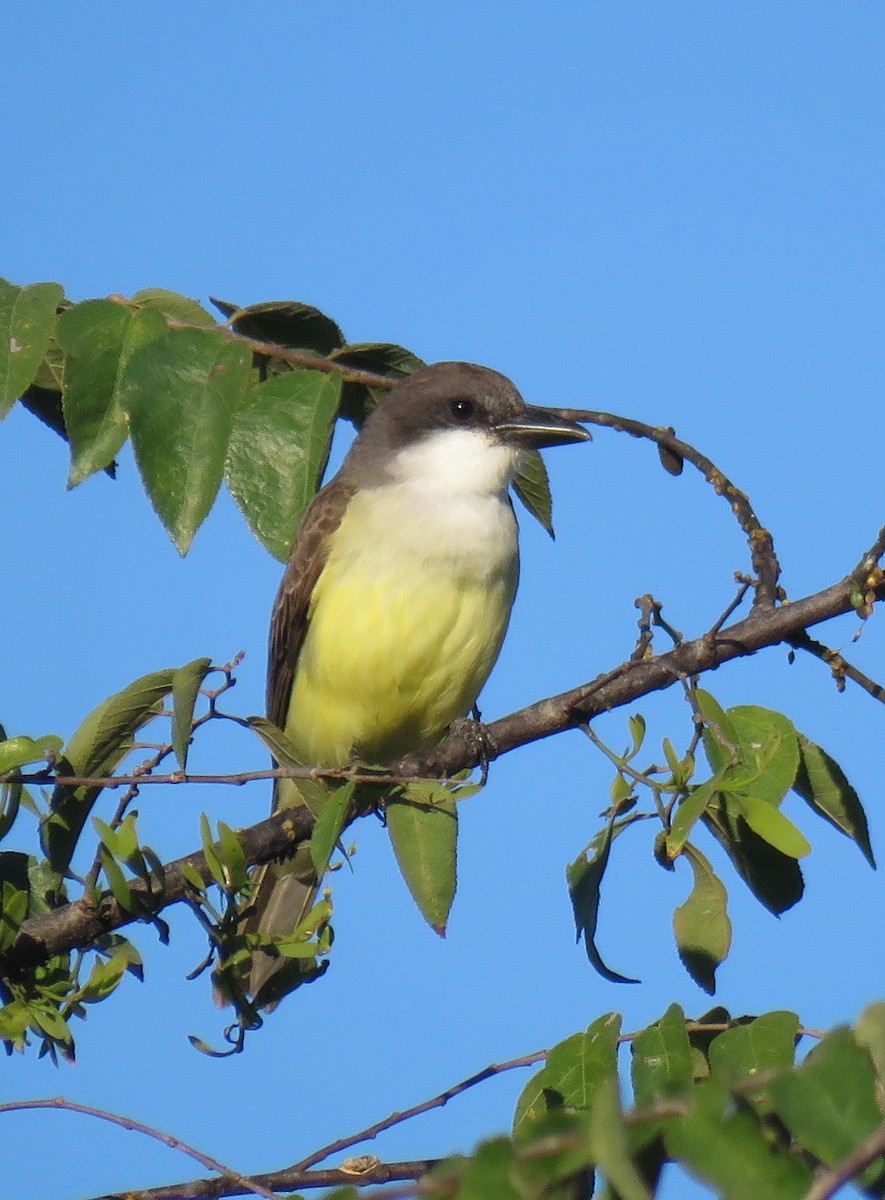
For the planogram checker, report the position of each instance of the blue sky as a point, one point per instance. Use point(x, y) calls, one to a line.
point(669, 210)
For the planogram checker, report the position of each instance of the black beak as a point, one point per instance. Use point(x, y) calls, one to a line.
point(536, 428)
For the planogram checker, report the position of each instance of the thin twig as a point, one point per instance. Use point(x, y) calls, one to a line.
point(762, 553)
point(842, 669)
point(829, 1182)
point(212, 1164)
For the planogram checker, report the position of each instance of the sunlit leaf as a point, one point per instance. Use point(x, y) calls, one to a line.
point(328, 826)
point(27, 319)
point(424, 838)
point(186, 684)
point(574, 1071)
point(701, 924)
point(174, 305)
point(661, 1065)
point(278, 451)
point(727, 1147)
point(101, 741)
point(829, 1103)
point(532, 485)
point(181, 391)
point(99, 337)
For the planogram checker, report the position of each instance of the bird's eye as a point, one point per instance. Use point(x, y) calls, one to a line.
point(462, 410)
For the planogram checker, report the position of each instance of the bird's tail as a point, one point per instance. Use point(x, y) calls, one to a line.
point(284, 895)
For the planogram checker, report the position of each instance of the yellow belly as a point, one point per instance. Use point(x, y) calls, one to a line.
point(396, 649)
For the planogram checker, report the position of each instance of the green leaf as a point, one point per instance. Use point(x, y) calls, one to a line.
point(117, 882)
point(277, 742)
point(103, 979)
point(287, 323)
point(27, 319)
point(232, 858)
point(774, 878)
point(19, 751)
point(99, 337)
point(278, 452)
point(763, 1045)
point(822, 784)
point(424, 839)
point(701, 924)
point(769, 752)
point(181, 392)
point(174, 306)
point(829, 1103)
point(610, 1145)
point(771, 825)
point(328, 826)
point(688, 814)
point(870, 1033)
point(489, 1172)
point(584, 878)
point(728, 1148)
point(213, 860)
point(103, 739)
point(574, 1072)
point(186, 684)
point(532, 485)
point(720, 736)
point(383, 358)
point(661, 1066)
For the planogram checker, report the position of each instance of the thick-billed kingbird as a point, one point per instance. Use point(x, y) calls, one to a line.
point(397, 595)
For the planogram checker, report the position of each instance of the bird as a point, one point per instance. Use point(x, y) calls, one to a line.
point(395, 601)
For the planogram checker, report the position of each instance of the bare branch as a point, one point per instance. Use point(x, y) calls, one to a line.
point(241, 1183)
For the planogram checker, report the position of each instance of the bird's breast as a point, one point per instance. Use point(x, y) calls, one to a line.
point(406, 621)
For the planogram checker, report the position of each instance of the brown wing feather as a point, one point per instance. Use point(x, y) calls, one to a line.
point(288, 623)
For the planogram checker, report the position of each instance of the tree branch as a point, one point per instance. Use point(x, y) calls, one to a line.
point(79, 923)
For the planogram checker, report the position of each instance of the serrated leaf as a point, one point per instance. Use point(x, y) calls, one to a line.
point(99, 337)
point(728, 1148)
point(701, 924)
point(174, 305)
point(181, 392)
point(186, 684)
point(532, 485)
point(102, 740)
point(829, 1103)
point(575, 1070)
point(278, 452)
point(661, 1066)
point(424, 839)
point(821, 783)
point(584, 878)
point(771, 825)
point(287, 323)
point(328, 826)
point(27, 319)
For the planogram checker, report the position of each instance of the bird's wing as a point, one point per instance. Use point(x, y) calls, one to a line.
point(288, 623)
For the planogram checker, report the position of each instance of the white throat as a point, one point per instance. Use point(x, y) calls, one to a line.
point(460, 462)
